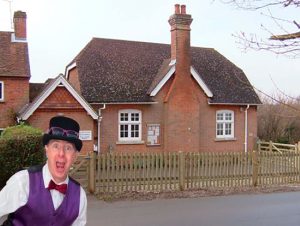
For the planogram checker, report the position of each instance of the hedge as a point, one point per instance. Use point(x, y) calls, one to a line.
point(20, 147)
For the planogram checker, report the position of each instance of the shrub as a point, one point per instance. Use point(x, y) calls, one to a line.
point(20, 147)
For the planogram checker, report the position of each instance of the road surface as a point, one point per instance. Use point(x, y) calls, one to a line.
point(272, 209)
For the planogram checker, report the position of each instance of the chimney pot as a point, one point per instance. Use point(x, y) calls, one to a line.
point(180, 35)
point(177, 9)
point(183, 9)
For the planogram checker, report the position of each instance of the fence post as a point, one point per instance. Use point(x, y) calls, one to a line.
point(298, 146)
point(259, 146)
point(91, 179)
point(181, 170)
point(255, 168)
point(270, 146)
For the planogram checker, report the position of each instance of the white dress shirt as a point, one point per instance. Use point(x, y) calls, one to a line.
point(16, 191)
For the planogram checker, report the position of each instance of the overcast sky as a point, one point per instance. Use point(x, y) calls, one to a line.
point(58, 30)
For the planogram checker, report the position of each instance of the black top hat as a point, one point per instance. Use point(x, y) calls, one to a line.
point(63, 128)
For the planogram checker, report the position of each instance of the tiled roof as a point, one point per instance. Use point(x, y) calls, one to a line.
point(35, 89)
point(124, 71)
point(14, 60)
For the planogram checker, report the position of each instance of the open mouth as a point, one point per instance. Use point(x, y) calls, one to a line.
point(60, 166)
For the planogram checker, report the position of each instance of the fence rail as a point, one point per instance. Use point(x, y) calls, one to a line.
point(121, 172)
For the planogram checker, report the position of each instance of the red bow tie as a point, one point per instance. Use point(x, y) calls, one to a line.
point(62, 188)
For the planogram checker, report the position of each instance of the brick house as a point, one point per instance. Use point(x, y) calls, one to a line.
point(14, 71)
point(139, 96)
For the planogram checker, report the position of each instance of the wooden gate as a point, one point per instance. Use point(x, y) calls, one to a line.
point(80, 170)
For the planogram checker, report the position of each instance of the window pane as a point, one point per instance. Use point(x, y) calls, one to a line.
point(123, 130)
point(134, 130)
point(219, 116)
point(219, 129)
point(228, 116)
point(124, 117)
point(135, 116)
point(227, 128)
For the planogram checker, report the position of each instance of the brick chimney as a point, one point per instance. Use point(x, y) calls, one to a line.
point(20, 25)
point(180, 36)
point(181, 117)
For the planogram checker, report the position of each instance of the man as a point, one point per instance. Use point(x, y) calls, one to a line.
point(45, 195)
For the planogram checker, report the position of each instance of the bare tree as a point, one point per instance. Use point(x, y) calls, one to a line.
point(287, 41)
point(279, 121)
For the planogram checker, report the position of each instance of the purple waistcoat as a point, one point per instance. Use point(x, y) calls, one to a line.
point(39, 209)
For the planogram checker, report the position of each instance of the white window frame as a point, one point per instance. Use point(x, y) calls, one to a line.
point(129, 138)
point(2, 91)
point(224, 122)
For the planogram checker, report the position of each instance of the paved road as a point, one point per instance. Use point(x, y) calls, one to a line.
point(276, 209)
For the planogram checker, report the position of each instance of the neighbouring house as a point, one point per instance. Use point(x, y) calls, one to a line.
point(14, 71)
point(139, 96)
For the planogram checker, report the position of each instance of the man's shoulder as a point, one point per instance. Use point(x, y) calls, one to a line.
point(21, 173)
point(34, 169)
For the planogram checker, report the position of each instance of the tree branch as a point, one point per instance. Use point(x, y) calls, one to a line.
point(285, 37)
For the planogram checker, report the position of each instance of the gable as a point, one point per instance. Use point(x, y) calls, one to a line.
point(58, 93)
point(171, 72)
point(60, 97)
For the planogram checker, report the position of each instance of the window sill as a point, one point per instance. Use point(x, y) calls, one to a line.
point(130, 142)
point(225, 139)
point(153, 145)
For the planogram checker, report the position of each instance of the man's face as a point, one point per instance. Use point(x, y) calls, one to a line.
point(61, 155)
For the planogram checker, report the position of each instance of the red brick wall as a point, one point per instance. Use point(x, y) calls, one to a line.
point(73, 79)
point(16, 96)
point(109, 128)
point(181, 115)
point(208, 141)
point(188, 123)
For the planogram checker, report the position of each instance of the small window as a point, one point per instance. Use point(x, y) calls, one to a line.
point(130, 125)
point(1, 131)
point(225, 124)
point(1, 91)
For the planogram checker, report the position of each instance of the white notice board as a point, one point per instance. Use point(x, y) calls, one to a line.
point(85, 135)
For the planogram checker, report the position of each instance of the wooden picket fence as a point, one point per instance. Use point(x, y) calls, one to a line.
point(122, 172)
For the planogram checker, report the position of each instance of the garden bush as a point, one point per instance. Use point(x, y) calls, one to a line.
point(20, 147)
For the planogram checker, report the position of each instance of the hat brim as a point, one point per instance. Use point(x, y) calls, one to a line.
point(75, 141)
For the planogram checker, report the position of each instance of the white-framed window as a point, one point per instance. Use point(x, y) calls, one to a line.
point(130, 125)
point(224, 124)
point(1, 91)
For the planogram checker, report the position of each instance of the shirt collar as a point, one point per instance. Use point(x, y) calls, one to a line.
point(47, 176)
